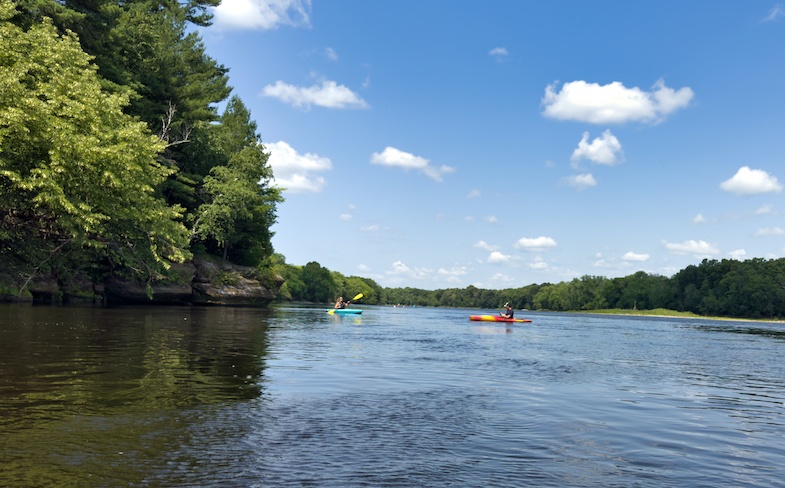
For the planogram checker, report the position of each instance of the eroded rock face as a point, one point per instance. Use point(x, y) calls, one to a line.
point(197, 282)
point(221, 283)
point(119, 291)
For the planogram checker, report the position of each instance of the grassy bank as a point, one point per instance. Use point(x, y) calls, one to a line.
point(664, 312)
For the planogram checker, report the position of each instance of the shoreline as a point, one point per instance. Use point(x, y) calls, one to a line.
point(661, 313)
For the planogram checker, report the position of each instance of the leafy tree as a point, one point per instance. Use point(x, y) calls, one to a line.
point(79, 170)
point(319, 284)
point(240, 204)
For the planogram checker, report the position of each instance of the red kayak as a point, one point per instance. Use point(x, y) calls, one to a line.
point(495, 318)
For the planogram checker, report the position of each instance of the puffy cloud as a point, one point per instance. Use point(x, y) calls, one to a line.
point(452, 275)
point(699, 219)
point(402, 271)
point(696, 248)
point(770, 231)
point(396, 158)
point(498, 257)
point(484, 245)
point(632, 256)
point(581, 182)
point(499, 53)
point(536, 243)
point(748, 181)
point(294, 172)
point(329, 94)
point(765, 210)
point(738, 254)
point(613, 103)
point(501, 278)
point(261, 14)
point(605, 149)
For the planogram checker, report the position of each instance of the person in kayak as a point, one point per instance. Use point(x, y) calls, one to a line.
point(341, 304)
point(508, 312)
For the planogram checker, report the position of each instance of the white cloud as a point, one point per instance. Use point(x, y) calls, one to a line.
point(535, 244)
point(538, 263)
point(605, 149)
point(295, 172)
point(611, 264)
point(491, 219)
point(765, 210)
point(261, 14)
point(474, 194)
point(738, 254)
point(484, 245)
point(453, 274)
point(748, 181)
point(498, 257)
point(776, 13)
point(699, 219)
point(345, 217)
point(329, 95)
point(632, 256)
point(331, 54)
point(696, 248)
point(581, 182)
point(400, 270)
point(499, 53)
point(613, 103)
point(396, 158)
point(770, 231)
point(501, 277)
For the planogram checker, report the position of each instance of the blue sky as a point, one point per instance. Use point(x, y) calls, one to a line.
point(441, 144)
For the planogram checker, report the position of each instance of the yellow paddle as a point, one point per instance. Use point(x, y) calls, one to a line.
point(356, 297)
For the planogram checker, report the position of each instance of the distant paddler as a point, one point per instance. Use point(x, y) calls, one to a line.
point(508, 312)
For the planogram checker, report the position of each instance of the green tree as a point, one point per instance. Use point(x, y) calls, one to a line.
point(240, 202)
point(319, 284)
point(80, 171)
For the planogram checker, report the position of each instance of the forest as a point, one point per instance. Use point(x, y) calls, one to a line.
point(114, 158)
point(753, 289)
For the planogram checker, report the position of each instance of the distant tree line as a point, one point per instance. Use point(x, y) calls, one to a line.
point(114, 158)
point(754, 289)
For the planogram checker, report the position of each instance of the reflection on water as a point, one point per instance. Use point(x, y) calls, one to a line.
point(396, 397)
point(99, 392)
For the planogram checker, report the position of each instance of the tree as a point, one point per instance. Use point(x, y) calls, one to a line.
point(73, 164)
point(240, 203)
point(319, 284)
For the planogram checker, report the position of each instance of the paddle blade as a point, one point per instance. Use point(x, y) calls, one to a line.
point(331, 311)
point(358, 296)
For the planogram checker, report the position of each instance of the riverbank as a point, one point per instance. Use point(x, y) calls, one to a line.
point(663, 312)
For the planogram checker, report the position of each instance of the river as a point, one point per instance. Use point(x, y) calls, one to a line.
point(409, 397)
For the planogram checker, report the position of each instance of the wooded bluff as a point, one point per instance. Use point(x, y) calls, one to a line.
point(114, 162)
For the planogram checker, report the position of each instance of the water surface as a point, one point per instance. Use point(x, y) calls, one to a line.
point(292, 396)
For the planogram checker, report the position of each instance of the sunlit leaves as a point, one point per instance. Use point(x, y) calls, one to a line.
point(70, 154)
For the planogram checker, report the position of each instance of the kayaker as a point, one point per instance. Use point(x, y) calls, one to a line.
point(341, 304)
point(508, 312)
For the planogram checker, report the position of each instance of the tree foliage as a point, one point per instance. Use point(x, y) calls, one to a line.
point(240, 204)
point(111, 145)
point(746, 289)
point(72, 163)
